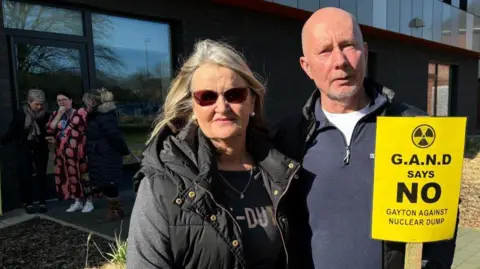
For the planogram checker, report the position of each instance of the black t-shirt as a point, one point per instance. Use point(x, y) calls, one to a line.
point(262, 243)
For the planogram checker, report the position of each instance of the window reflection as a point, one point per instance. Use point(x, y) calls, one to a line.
point(380, 14)
point(393, 15)
point(365, 12)
point(311, 5)
point(51, 69)
point(437, 21)
point(469, 30)
point(428, 19)
point(350, 6)
point(133, 60)
point(476, 34)
point(417, 12)
point(405, 16)
point(446, 24)
point(470, 6)
point(454, 34)
point(291, 3)
point(329, 3)
point(438, 91)
point(462, 29)
point(25, 16)
point(473, 6)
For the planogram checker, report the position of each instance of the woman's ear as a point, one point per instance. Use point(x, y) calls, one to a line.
point(254, 100)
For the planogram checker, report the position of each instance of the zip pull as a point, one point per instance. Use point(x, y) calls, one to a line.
point(346, 160)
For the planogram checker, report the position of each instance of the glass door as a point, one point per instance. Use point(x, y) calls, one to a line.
point(51, 66)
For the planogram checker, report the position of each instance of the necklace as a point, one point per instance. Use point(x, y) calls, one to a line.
point(233, 188)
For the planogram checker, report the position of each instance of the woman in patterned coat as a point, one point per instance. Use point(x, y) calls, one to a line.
point(66, 128)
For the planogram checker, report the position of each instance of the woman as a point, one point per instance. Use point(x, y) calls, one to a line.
point(27, 129)
point(212, 193)
point(105, 149)
point(66, 128)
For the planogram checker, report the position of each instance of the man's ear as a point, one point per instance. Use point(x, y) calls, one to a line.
point(365, 51)
point(305, 66)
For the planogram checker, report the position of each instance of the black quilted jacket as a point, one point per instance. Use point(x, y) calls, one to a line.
point(105, 147)
point(176, 222)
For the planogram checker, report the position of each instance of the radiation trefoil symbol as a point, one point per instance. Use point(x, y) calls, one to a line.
point(423, 136)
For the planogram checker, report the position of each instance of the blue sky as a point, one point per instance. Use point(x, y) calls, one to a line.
point(127, 38)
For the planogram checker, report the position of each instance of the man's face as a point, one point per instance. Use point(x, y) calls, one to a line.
point(335, 59)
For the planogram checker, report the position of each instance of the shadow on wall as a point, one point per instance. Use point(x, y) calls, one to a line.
point(472, 147)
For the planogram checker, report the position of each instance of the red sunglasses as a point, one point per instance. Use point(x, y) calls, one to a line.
point(209, 97)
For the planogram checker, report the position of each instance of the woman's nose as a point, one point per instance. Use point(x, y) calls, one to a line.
point(221, 105)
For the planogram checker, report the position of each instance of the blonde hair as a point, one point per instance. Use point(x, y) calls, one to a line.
point(98, 97)
point(177, 109)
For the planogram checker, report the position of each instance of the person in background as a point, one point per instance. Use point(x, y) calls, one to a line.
point(212, 191)
point(66, 129)
point(28, 131)
point(334, 138)
point(105, 149)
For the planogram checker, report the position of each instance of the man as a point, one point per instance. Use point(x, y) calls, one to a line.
point(334, 138)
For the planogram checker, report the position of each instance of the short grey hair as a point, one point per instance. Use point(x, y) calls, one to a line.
point(36, 95)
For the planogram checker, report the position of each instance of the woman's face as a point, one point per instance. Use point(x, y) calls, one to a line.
point(222, 102)
point(64, 101)
point(36, 105)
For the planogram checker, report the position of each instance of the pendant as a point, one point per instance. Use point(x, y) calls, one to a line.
point(241, 196)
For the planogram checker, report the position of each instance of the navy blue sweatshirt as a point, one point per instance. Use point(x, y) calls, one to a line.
point(340, 199)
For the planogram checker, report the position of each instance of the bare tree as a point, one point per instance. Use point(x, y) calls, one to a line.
point(45, 59)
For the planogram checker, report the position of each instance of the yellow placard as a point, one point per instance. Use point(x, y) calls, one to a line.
point(418, 167)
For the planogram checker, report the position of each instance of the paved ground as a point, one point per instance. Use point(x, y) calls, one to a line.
point(89, 222)
point(467, 254)
point(92, 221)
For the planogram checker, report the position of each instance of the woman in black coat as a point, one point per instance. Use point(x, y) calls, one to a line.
point(105, 149)
point(28, 130)
point(214, 192)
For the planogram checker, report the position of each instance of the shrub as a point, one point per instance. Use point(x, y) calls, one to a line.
point(118, 255)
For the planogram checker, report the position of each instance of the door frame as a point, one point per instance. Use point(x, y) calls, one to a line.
point(13, 41)
point(80, 46)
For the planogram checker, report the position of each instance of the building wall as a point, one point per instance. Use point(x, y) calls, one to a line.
point(192, 20)
point(7, 153)
point(443, 23)
point(405, 69)
point(271, 44)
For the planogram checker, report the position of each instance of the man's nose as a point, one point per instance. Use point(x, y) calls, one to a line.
point(338, 58)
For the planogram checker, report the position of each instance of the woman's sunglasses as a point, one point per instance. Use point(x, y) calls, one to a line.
point(232, 96)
